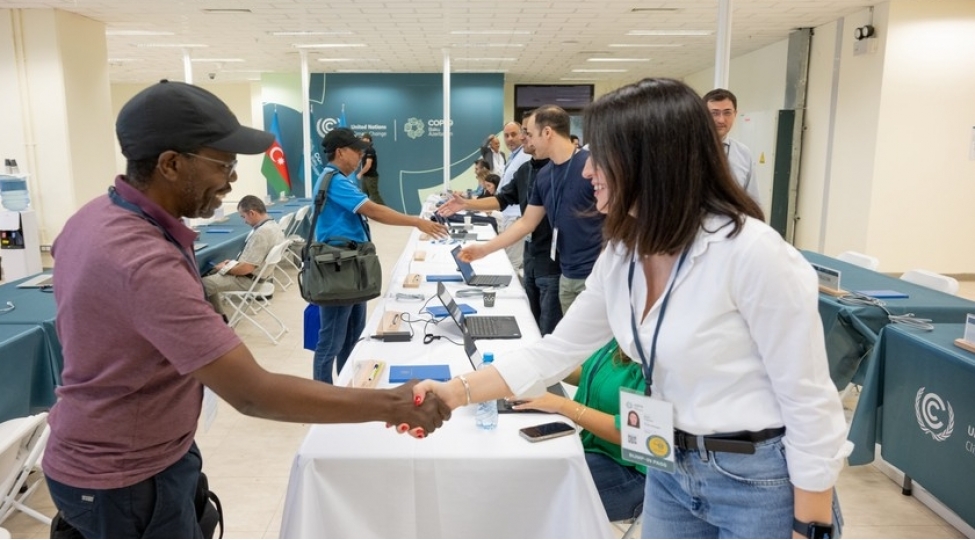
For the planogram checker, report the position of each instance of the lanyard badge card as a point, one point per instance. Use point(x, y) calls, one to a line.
point(647, 430)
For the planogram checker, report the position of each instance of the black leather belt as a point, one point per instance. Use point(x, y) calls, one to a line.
point(739, 442)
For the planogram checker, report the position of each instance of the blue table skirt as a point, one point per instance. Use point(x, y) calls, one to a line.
point(34, 307)
point(28, 374)
point(918, 402)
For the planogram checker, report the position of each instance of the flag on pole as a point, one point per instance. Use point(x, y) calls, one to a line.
point(342, 122)
point(275, 166)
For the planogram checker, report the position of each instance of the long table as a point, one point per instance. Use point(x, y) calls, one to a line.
point(851, 331)
point(918, 402)
point(363, 480)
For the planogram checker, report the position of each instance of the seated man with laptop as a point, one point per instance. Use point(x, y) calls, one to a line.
point(238, 275)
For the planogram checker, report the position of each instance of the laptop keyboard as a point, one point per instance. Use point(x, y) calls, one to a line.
point(484, 326)
point(489, 281)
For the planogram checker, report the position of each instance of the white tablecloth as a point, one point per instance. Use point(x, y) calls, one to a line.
point(363, 480)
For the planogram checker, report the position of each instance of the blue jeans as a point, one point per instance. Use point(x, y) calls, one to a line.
point(158, 507)
point(341, 328)
point(724, 495)
point(620, 487)
point(543, 298)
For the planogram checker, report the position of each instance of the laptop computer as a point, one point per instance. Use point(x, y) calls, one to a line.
point(479, 326)
point(504, 406)
point(478, 280)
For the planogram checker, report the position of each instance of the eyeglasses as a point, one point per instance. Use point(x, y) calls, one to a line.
point(727, 113)
point(228, 166)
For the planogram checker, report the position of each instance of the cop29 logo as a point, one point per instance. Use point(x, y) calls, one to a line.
point(931, 410)
point(413, 127)
point(324, 125)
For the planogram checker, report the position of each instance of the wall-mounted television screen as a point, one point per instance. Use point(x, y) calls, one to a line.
point(530, 96)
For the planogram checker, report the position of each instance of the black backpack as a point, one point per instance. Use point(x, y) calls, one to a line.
point(209, 513)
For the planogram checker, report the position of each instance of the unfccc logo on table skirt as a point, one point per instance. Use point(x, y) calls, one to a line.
point(931, 411)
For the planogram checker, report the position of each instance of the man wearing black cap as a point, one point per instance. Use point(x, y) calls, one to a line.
point(140, 340)
point(342, 217)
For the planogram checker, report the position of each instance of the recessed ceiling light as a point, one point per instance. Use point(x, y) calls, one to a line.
point(490, 32)
point(670, 32)
point(599, 70)
point(217, 60)
point(618, 60)
point(486, 59)
point(137, 33)
point(645, 45)
point(171, 45)
point(471, 45)
point(225, 11)
point(653, 9)
point(347, 60)
point(311, 33)
point(327, 45)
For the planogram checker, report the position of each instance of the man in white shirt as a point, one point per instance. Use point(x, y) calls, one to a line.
point(723, 106)
point(238, 275)
point(491, 152)
point(514, 139)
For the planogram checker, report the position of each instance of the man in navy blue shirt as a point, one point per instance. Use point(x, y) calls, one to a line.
point(564, 196)
point(342, 216)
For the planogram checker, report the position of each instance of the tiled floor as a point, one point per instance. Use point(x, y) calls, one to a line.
point(248, 460)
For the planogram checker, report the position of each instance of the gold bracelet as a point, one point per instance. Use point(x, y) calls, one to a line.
point(582, 411)
point(467, 388)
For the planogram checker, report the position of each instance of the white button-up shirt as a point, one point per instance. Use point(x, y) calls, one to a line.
point(740, 348)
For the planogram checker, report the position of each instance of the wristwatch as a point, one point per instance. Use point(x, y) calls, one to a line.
point(812, 529)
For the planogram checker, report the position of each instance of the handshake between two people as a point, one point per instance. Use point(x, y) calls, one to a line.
point(432, 403)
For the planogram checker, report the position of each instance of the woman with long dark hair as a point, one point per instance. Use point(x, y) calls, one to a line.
point(741, 428)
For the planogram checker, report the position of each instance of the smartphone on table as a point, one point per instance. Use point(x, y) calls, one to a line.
point(547, 431)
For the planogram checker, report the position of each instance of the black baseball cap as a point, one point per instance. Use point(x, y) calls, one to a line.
point(342, 138)
point(177, 116)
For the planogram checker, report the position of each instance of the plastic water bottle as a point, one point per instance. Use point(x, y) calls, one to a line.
point(486, 415)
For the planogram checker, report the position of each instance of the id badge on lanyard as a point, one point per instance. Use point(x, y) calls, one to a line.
point(646, 423)
point(647, 430)
point(555, 241)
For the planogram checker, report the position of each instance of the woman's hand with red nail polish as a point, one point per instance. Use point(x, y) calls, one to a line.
point(425, 412)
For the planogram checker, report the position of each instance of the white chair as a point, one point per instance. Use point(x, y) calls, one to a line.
point(257, 299)
point(932, 280)
point(22, 441)
point(280, 274)
point(293, 256)
point(859, 259)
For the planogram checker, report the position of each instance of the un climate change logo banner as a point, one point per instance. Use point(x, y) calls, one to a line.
point(404, 113)
point(934, 415)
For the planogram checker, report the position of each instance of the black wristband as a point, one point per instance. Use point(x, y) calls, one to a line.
point(813, 529)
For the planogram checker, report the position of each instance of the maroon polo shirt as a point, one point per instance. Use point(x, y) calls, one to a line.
point(134, 324)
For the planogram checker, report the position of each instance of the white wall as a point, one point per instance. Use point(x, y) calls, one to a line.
point(56, 109)
point(895, 174)
point(924, 182)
